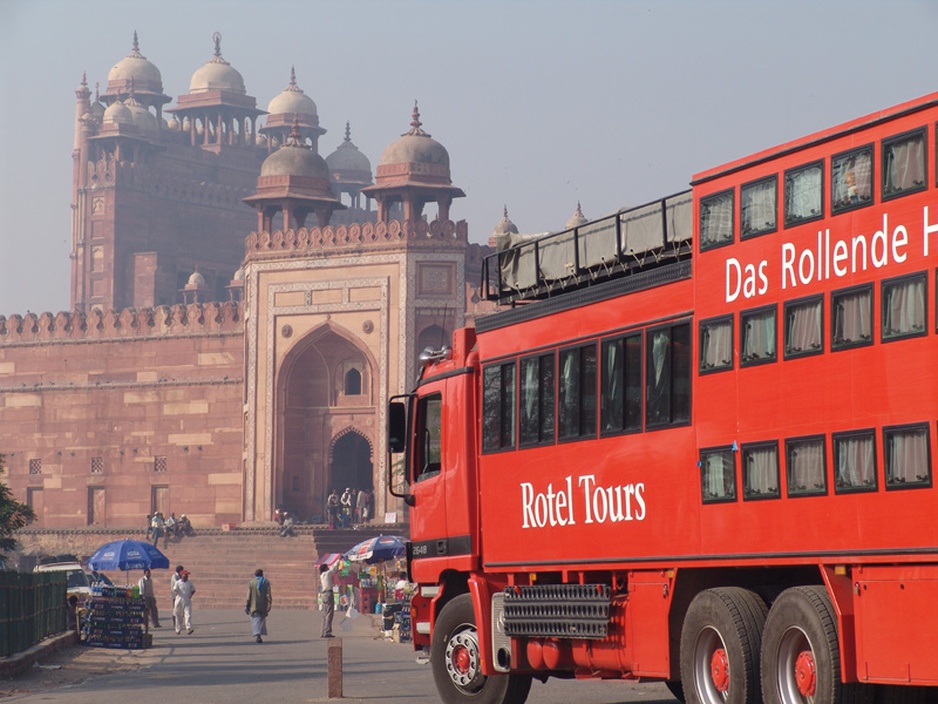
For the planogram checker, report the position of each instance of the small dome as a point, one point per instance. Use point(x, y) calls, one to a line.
point(173, 123)
point(293, 101)
point(116, 113)
point(415, 147)
point(577, 218)
point(347, 158)
point(295, 159)
point(238, 275)
point(143, 118)
point(505, 226)
point(196, 279)
point(135, 69)
point(217, 74)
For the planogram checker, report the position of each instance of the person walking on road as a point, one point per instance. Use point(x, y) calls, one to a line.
point(172, 595)
point(149, 597)
point(258, 604)
point(327, 596)
point(183, 591)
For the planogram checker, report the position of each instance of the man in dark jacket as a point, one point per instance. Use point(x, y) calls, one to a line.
point(258, 604)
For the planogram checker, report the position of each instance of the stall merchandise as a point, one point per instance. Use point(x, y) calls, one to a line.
point(115, 617)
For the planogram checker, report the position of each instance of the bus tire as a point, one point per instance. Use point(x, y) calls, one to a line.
point(720, 645)
point(455, 661)
point(801, 651)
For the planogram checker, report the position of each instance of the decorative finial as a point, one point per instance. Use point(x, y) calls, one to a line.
point(84, 79)
point(415, 123)
point(97, 89)
point(216, 37)
point(293, 76)
point(136, 46)
point(348, 132)
point(506, 212)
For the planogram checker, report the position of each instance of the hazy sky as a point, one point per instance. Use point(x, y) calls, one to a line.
point(540, 103)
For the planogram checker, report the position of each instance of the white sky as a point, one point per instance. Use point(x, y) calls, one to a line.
point(540, 103)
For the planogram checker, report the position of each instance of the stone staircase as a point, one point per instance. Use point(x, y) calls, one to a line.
point(221, 562)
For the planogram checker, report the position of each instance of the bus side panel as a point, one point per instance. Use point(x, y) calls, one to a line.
point(896, 622)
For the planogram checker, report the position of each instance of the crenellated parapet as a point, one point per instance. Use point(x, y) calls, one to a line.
point(162, 321)
point(313, 241)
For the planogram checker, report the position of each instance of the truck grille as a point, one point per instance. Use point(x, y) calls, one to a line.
point(557, 610)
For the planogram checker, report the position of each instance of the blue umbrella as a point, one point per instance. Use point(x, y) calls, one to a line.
point(127, 555)
point(384, 547)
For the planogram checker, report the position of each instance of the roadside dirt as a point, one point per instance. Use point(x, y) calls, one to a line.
point(73, 665)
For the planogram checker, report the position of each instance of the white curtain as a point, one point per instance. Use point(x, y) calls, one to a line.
point(856, 462)
point(905, 165)
point(761, 472)
point(806, 467)
point(758, 207)
point(718, 477)
point(852, 322)
point(904, 308)
point(851, 180)
point(716, 220)
point(907, 457)
point(803, 328)
point(759, 337)
point(716, 345)
point(803, 194)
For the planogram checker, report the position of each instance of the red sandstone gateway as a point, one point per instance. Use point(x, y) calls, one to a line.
point(697, 444)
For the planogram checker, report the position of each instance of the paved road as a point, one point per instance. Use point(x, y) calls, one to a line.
point(221, 664)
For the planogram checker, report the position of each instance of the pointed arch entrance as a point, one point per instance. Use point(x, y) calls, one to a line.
point(351, 463)
point(325, 410)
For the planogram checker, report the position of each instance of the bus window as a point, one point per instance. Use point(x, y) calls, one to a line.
point(758, 207)
point(758, 332)
point(429, 432)
point(621, 385)
point(904, 164)
point(667, 376)
point(908, 464)
point(718, 475)
point(716, 344)
point(807, 466)
point(576, 403)
point(852, 179)
point(536, 423)
point(716, 220)
point(852, 317)
point(854, 461)
point(760, 471)
point(804, 327)
point(498, 407)
point(903, 302)
point(803, 189)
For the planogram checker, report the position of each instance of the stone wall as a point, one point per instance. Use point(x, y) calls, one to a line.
point(108, 415)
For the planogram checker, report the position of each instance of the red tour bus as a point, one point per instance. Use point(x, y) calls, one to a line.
point(695, 445)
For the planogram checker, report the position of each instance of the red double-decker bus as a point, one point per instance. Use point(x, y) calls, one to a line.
point(695, 443)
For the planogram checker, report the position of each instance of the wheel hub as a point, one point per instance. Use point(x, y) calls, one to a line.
point(462, 661)
point(720, 670)
point(806, 673)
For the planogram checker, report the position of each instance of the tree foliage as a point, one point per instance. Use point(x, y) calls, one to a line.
point(13, 516)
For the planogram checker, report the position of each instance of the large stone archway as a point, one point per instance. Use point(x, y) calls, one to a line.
point(326, 404)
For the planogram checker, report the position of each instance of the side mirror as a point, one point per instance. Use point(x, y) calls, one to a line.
point(397, 427)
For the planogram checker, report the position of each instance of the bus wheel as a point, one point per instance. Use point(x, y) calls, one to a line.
point(800, 651)
point(720, 643)
point(455, 661)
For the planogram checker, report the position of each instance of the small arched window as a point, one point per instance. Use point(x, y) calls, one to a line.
point(353, 382)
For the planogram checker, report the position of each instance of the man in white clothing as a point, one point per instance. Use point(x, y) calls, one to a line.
point(327, 595)
point(183, 590)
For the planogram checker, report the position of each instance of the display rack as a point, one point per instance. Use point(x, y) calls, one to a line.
point(115, 617)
